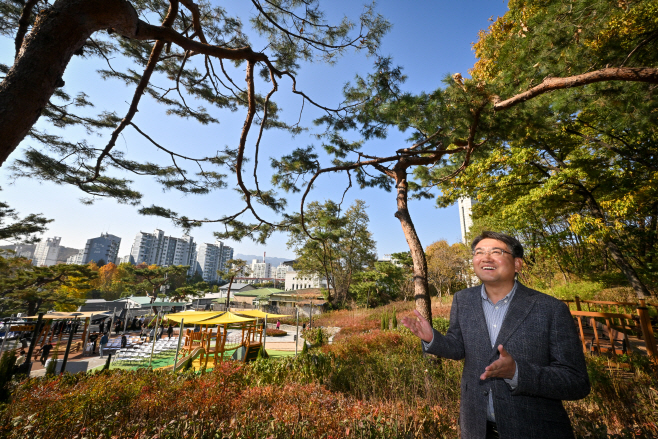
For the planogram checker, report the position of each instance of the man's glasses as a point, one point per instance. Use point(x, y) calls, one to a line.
point(496, 252)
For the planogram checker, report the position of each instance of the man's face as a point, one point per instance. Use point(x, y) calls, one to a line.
point(494, 269)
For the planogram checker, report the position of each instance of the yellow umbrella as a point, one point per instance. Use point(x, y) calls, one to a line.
point(193, 316)
point(261, 314)
point(224, 319)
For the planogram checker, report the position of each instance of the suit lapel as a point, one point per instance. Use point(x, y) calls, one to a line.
point(521, 304)
point(481, 334)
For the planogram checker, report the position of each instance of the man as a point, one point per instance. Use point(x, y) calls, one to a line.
point(104, 340)
point(45, 352)
point(93, 338)
point(521, 350)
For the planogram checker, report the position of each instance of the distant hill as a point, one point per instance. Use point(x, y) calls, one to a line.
point(271, 259)
point(64, 252)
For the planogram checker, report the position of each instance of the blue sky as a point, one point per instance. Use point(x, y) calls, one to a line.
point(429, 39)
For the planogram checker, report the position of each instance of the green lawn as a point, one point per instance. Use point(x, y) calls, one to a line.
point(163, 361)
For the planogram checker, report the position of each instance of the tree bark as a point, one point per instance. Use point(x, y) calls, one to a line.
point(421, 288)
point(640, 74)
point(58, 33)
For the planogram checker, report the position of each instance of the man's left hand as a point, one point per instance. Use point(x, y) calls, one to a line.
point(503, 367)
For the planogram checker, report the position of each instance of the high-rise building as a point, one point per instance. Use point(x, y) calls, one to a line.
point(102, 249)
point(147, 247)
point(178, 251)
point(46, 252)
point(281, 270)
point(465, 221)
point(22, 251)
point(209, 260)
point(227, 255)
point(157, 249)
point(76, 258)
point(260, 270)
point(126, 259)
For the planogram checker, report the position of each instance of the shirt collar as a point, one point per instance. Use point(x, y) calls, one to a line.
point(505, 299)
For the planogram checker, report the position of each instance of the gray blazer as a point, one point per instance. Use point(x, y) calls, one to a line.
point(540, 334)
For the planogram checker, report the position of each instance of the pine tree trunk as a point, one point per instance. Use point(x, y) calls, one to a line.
point(421, 288)
point(58, 33)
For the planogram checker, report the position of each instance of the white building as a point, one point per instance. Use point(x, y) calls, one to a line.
point(209, 259)
point(279, 272)
point(178, 251)
point(296, 282)
point(157, 249)
point(46, 252)
point(76, 258)
point(126, 259)
point(260, 270)
point(465, 220)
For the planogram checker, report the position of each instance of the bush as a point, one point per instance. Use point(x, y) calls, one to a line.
point(394, 320)
point(384, 326)
point(275, 332)
point(6, 372)
point(222, 403)
point(441, 324)
point(312, 336)
point(584, 289)
point(262, 354)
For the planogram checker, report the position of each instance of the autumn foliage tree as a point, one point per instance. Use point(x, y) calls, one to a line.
point(448, 266)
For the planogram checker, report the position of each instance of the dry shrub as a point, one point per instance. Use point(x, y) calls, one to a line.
point(214, 405)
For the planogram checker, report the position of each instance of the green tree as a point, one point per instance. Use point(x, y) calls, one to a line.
point(235, 268)
point(575, 169)
point(154, 280)
point(452, 125)
point(383, 283)
point(25, 288)
point(15, 229)
point(334, 246)
point(190, 290)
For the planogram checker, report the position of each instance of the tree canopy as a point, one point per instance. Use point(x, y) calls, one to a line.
point(189, 64)
point(334, 245)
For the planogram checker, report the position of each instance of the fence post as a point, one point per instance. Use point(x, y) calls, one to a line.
point(647, 332)
point(68, 349)
point(180, 337)
point(578, 303)
point(33, 342)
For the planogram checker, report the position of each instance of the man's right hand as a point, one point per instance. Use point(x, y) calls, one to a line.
point(419, 326)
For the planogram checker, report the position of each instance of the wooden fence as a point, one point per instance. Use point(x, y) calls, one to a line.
point(608, 326)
